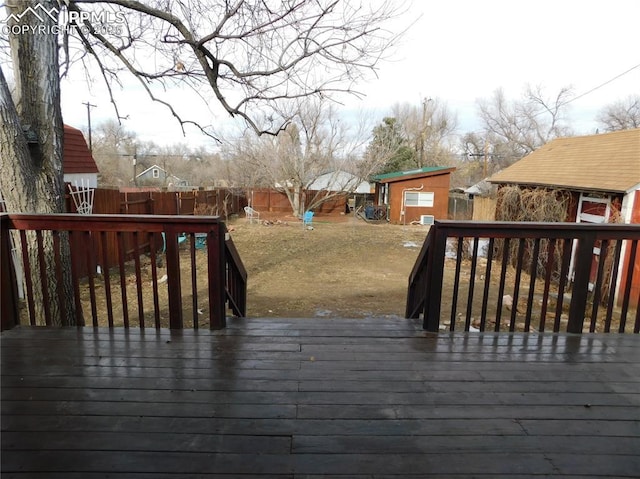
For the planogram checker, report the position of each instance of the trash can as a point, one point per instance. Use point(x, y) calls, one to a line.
point(369, 212)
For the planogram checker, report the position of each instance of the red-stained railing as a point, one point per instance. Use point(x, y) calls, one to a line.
point(168, 268)
point(527, 277)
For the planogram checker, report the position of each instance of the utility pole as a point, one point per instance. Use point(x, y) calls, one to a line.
point(485, 155)
point(423, 130)
point(89, 106)
point(135, 161)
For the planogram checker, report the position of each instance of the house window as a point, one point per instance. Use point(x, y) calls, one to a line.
point(156, 173)
point(417, 198)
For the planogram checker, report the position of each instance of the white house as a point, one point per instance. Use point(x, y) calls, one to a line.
point(339, 180)
point(157, 176)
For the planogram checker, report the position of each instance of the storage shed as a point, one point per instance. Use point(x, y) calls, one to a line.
point(419, 195)
point(78, 164)
point(600, 172)
point(599, 169)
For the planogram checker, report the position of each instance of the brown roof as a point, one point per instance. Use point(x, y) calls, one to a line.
point(76, 155)
point(609, 162)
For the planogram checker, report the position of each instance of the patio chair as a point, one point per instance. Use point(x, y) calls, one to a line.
point(201, 240)
point(251, 214)
point(182, 237)
point(307, 218)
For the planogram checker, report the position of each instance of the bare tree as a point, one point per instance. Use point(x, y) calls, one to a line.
point(315, 144)
point(249, 57)
point(524, 125)
point(413, 136)
point(114, 149)
point(621, 115)
point(429, 128)
point(481, 155)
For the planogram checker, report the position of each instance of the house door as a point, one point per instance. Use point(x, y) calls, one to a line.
point(595, 210)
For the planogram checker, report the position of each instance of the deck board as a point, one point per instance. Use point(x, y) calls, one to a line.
point(280, 398)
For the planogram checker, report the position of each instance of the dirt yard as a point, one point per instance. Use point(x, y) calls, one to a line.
point(343, 267)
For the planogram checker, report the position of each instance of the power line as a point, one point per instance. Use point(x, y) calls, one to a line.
point(601, 85)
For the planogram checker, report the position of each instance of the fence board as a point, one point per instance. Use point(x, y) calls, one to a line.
point(277, 202)
point(484, 209)
point(219, 202)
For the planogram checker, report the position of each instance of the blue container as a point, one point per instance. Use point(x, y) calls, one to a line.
point(368, 212)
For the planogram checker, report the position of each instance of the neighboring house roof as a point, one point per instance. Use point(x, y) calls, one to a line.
point(165, 174)
point(150, 169)
point(608, 162)
point(482, 188)
point(76, 155)
point(411, 174)
point(339, 180)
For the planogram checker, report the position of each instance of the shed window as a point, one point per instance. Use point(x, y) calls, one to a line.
point(418, 198)
point(156, 173)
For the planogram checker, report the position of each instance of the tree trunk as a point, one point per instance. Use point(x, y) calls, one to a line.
point(31, 176)
point(297, 207)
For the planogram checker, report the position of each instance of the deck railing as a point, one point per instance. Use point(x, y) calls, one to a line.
point(119, 270)
point(527, 277)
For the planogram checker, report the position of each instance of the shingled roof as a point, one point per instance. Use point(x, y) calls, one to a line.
point(76, 155)
point(608, 162)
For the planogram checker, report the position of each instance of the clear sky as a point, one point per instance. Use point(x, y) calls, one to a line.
point(458, 51)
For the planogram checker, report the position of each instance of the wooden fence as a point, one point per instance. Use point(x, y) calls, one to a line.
point(273, 201)
point(484, 209)
point(220, 202)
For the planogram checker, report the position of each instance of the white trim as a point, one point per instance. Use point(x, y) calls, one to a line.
point(632, 189)
point(626, 209)
point(588, 218)
point(422, 199)
point(89, 180)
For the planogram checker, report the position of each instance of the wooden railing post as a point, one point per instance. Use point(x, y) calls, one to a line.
point(217, 277)
point(583, 261)
point(435, 272)
point(236, 277)
point(8, 286)
point(418, 280)
point(173, 279)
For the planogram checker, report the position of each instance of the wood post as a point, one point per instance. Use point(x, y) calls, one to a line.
point(435, 273)
point(217, 272)
point(583, 261)
point(8, 287)
point(173, 279)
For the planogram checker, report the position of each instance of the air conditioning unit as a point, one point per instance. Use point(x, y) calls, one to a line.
point(426, 219)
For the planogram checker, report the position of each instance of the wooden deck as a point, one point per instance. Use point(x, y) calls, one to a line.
point(316, 398)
